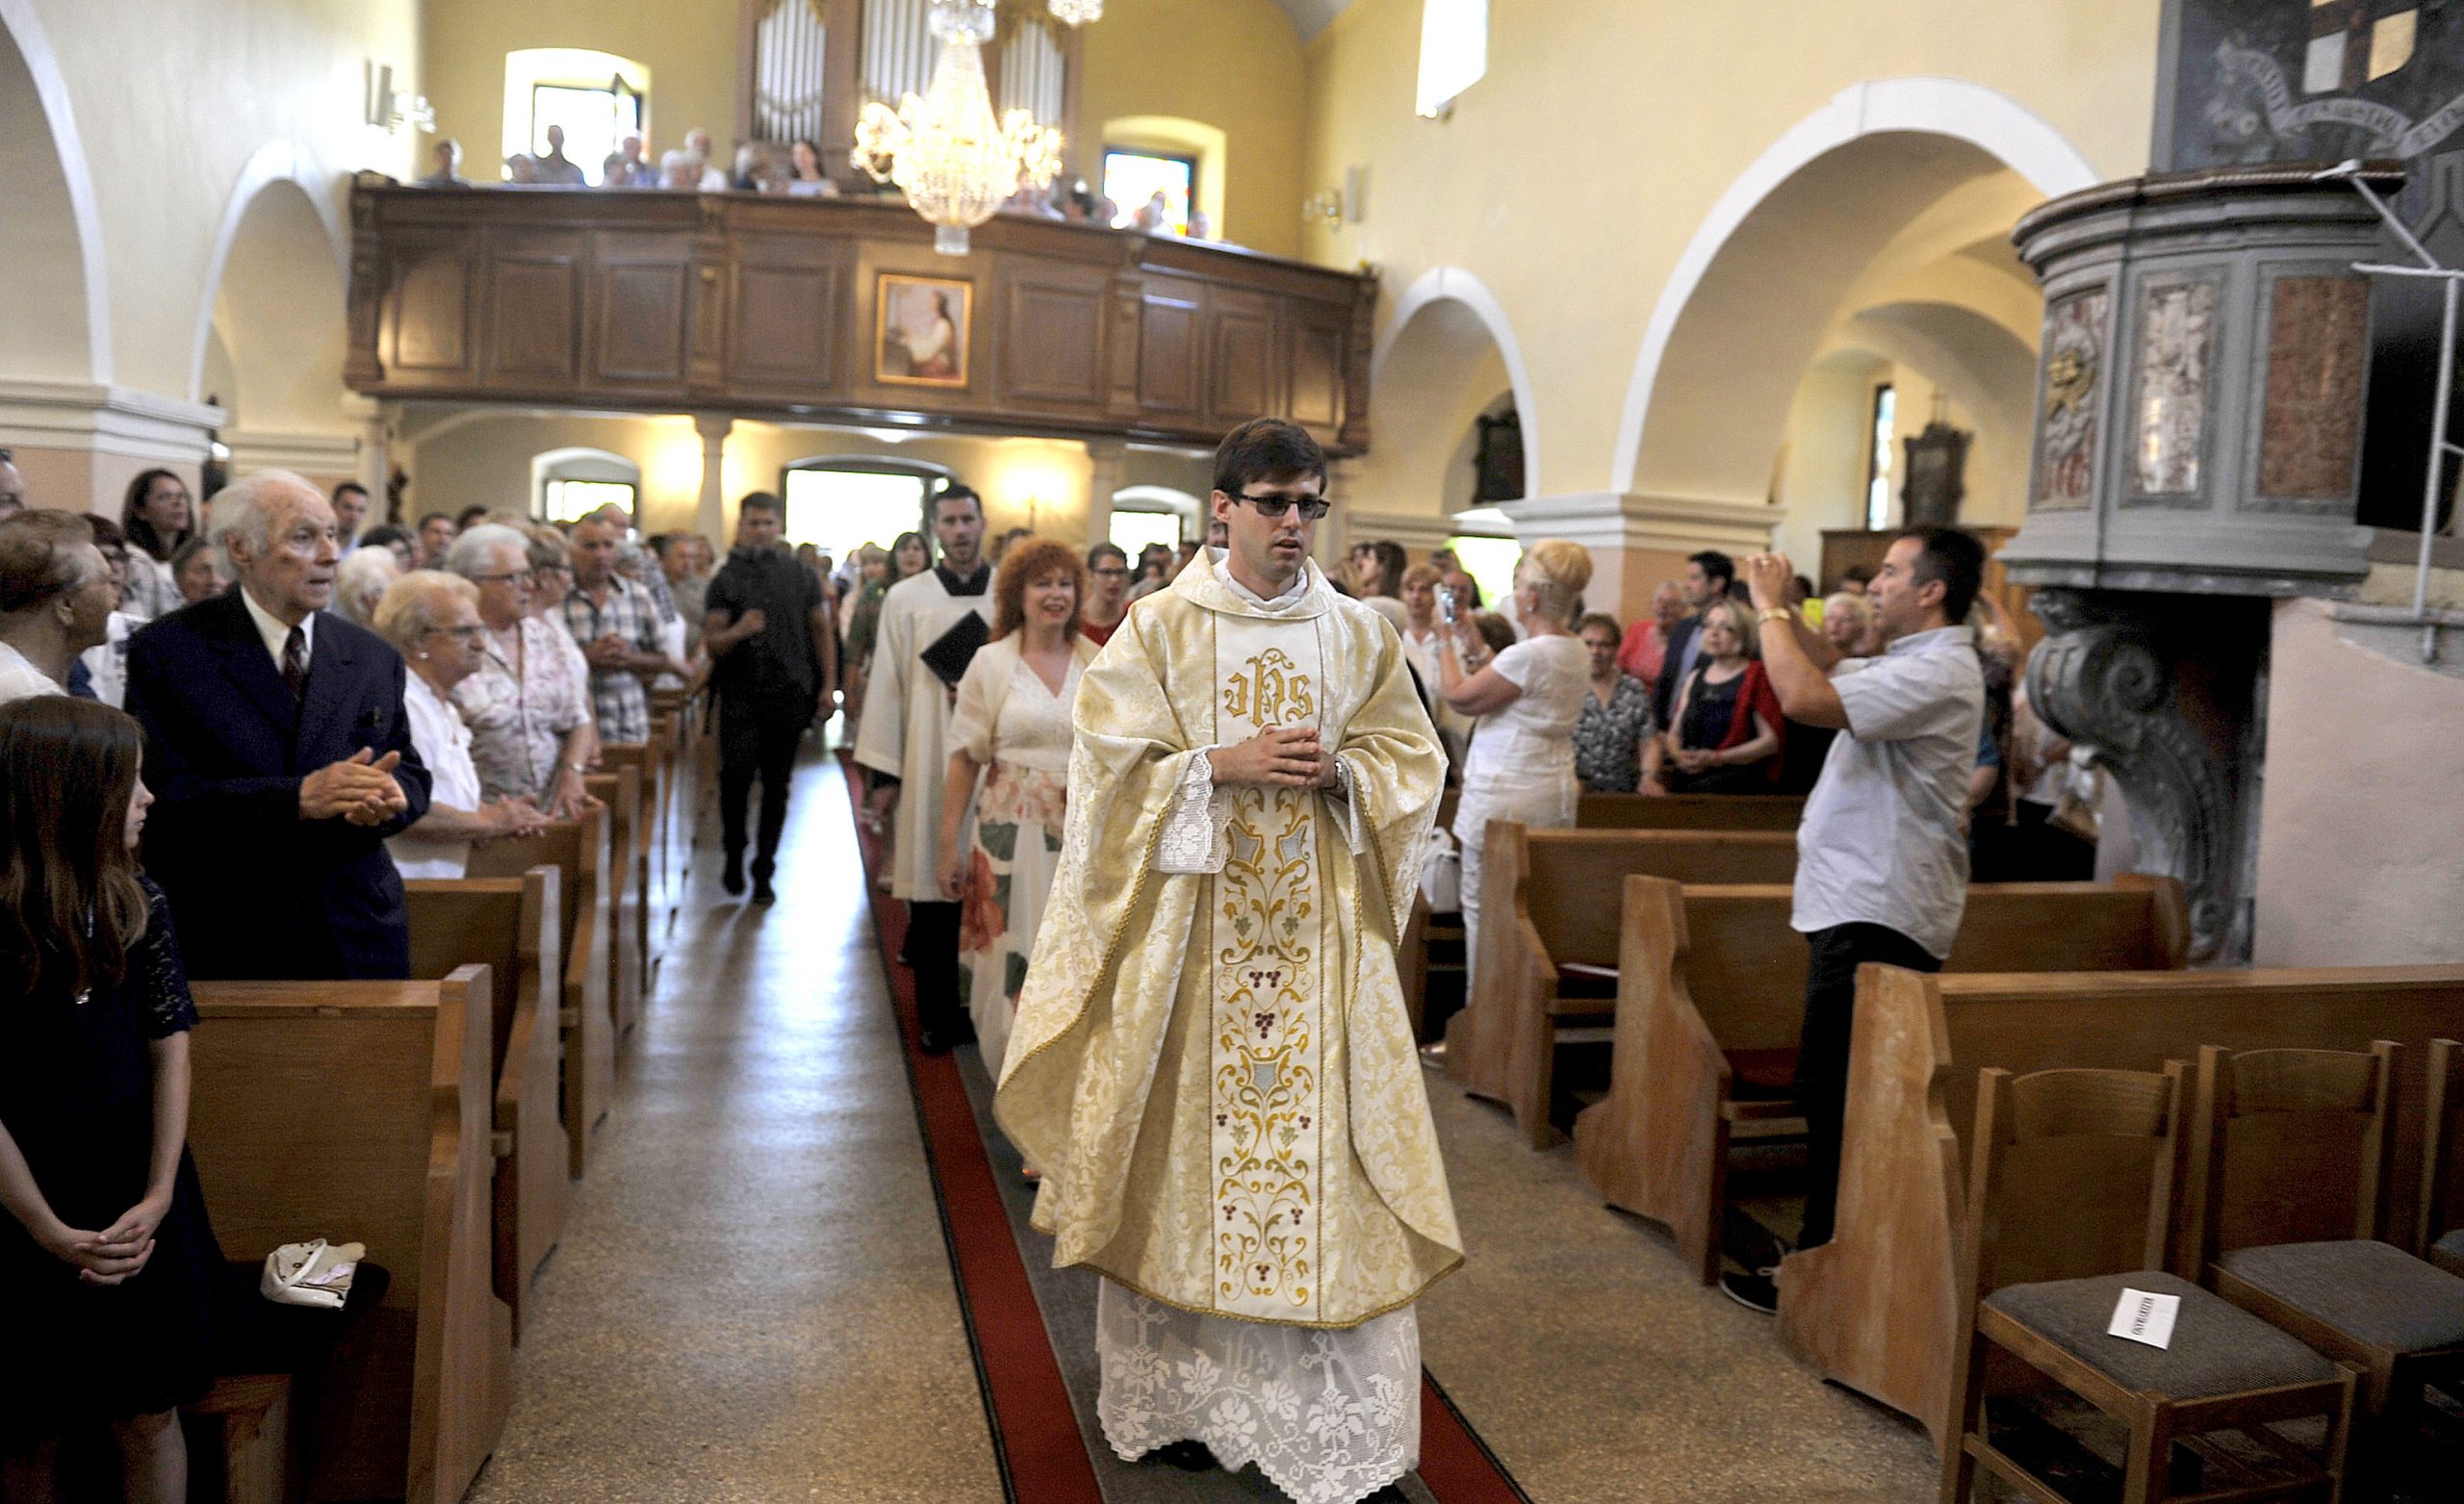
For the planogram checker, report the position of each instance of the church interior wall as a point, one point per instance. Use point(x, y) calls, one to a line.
point(1572, 178)
point(166, 176)
point(2348, 874)
point(1254, 85)
point(689, 46)
point(167, 184)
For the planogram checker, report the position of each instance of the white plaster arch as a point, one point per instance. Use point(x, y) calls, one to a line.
point(32, 46)
point(274, 162)
point(1453, 284)
point(1953, 109)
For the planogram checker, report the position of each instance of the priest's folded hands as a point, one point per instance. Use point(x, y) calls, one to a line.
point(1282, 756)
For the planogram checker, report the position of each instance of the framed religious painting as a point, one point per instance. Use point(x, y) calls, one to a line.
point(921, 330)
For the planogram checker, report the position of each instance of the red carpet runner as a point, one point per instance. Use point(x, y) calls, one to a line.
point(1036, 1439)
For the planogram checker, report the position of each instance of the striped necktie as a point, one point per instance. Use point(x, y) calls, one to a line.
point(295, 662)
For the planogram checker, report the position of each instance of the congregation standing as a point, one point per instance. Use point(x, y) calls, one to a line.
point(1085, 760)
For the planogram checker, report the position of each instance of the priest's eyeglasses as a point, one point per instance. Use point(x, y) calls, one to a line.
point(1272, 508)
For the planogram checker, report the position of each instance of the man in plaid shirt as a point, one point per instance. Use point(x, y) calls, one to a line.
point(616, 623)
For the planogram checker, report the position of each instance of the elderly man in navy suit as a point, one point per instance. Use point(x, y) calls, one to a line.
point(279, 754)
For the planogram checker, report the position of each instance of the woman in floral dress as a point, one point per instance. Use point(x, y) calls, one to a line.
point(1012, 730)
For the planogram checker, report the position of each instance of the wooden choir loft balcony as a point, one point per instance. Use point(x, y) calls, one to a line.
point(813, 308)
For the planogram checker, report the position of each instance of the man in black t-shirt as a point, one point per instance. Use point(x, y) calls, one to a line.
point(773, 663)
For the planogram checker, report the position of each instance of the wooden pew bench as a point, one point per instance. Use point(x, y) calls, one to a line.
point(1545, 977)
point(511, 925)
point(1711, 1002)
point(1433, 943)
point(585, 1025)
point(1689, 812)
point(625, 789)
point(359, 1110)
point(1875, 1308)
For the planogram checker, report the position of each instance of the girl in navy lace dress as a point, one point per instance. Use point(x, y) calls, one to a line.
point(106, 1264)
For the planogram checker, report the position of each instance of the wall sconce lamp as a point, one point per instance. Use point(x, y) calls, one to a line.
point(1340, 205)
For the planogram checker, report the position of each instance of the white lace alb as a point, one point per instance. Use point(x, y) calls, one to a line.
point(1330, 1416)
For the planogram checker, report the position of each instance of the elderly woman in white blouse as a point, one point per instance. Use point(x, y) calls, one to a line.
point(433, 620)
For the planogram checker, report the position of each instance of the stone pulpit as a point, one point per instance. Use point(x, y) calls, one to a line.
point(2197, 456)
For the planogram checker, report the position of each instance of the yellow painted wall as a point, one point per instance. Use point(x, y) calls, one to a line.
point(1571, 179)
point(1234, 64)
point(689, 45)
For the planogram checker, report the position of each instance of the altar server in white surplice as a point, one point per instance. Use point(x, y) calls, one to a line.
point(905, 740)
point(1211, 1062)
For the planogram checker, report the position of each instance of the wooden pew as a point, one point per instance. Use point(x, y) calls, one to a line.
point(644, 762)
point(1875, 1308)
point(1430, 935)
point(1548, 901)
point(1711, 978)
point(628, 899)
point(1689, 812)
point(359, 1110)
point(585, 1021)
point(510, 924)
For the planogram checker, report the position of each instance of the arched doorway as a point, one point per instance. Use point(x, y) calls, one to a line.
point(1867, 250)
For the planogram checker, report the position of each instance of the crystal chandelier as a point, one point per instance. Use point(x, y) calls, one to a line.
point(955, 162)
point(1078, 12)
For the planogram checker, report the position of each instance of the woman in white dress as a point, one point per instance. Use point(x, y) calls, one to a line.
point(1012, 729)
point(433, 620)
point(1529, 698)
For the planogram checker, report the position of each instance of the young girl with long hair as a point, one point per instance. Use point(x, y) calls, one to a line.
point(108, 1266)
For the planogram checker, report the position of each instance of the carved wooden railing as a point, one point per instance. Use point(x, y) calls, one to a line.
point(737, 302)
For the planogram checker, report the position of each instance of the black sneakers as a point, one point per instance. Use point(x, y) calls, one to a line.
point(732, 875)
point(1757, 1290)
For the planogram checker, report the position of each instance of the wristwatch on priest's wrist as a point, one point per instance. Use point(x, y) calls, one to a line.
point(1770, 614)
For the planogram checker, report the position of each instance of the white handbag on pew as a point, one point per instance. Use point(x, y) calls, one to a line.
point(316, 1273)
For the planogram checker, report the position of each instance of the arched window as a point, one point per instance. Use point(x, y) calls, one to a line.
point(1455, 52)
point(597, 97)
point(1484, 545)
point(568, 484)
point(842, 502)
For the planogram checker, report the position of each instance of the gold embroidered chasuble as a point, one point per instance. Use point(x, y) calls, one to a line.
point(1212, 1062)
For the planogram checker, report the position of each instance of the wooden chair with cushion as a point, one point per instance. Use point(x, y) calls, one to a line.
point(2440, 1234)
point(2339, 1288)
point(2225, 1370)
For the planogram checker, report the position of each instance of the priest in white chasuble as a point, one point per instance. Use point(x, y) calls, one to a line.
point(920, 651)
point(1212, 1062)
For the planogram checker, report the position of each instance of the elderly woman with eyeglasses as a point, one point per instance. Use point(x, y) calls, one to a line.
point(527, 704)
point(433, 620)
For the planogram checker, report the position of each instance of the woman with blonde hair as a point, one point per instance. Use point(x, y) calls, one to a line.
point(1725, 728)
point(1528, 698)
point(1012, 727)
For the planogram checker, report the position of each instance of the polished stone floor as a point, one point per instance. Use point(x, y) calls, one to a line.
point(753, 1301)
